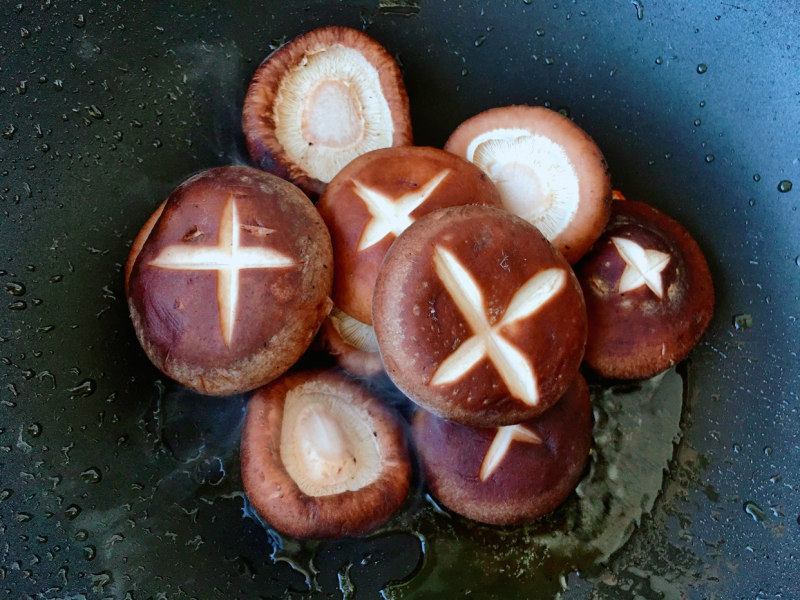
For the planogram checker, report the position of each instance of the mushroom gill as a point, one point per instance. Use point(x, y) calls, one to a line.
point(335, 81)
point(327, 445)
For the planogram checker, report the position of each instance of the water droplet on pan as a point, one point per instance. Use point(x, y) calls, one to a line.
point(639, 8)
point(91, 475)
point(84, 389)
point(785, 186)
point(755, 511)
point(743, 321)
point(15, 288)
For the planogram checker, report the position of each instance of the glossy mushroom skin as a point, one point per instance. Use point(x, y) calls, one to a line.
point(422, 178)
point(139, 240)
point(277, 497)
point(635, 333)
point(421, 327)
point(178, 305)
point(583, 153)
point(529, 481)
point(258, 119)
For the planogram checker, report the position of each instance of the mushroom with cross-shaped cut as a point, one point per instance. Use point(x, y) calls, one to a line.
point(320, 101)
point(511, 474)
point(649, 293)
point(478, 318)
point(229, 281)
point(377, 196)
point(322, 457)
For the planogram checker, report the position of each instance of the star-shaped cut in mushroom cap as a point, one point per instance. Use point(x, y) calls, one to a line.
point(512, 365)
point(642, 266)
point(227, 258)
point(392, 215)
point(503, 438)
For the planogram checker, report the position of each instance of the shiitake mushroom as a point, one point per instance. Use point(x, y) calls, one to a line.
point(375, 197)
point(548, 170)
point(649, 293)
point(322, 457)
point(229, 280)
point(511, 474)
point(321, 100)
point(478, 318)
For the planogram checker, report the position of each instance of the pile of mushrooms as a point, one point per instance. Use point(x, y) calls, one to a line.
point(479, 279)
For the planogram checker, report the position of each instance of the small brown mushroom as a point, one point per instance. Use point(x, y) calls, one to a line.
point(548, 170)
point(478, 318)
point(322, 457)
point(321, 100)
point(377, 196)
point(228, 283)
point(649, 293)
point(352, 343)
point(509, 474)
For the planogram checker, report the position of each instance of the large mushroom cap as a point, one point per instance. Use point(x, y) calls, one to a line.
point(375, 197)
point(649, 293)
point(322, 457)
point(548, 170)
point(321, 100)
point(229, 282)
point(478, 318)
point(508, 474)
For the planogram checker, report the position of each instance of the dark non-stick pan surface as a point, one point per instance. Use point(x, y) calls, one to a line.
point(115, 482)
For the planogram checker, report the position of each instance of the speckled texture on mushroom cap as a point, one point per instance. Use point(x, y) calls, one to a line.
point(536, 465)
point(278, 497)
point(378, 195)
point(478, 318)
point(337, 92)
point(649, 293)
point(232, 282)
point(499, 140)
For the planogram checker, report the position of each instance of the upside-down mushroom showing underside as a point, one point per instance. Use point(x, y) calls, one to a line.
point(322, 457)
point(548, 170)
point(320, 101)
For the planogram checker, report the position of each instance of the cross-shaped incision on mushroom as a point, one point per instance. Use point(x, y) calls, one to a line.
point(487, 340)
point(227, 258)
point(503, 438)
point(392, 215)
point(642, 266)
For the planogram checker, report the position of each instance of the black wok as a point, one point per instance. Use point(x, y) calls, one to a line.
point(114, 482)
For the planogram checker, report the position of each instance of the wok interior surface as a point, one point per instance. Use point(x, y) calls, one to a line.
point(115, 482)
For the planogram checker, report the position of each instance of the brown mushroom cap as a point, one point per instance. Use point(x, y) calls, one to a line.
point(321, 100)
point(548, 170)
point(322, 457)
point(352, 343)
point(232, 282)
point(139, 240)
point(378, 195)
point(509, 474)
point(478, 318)
point(649, 293)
